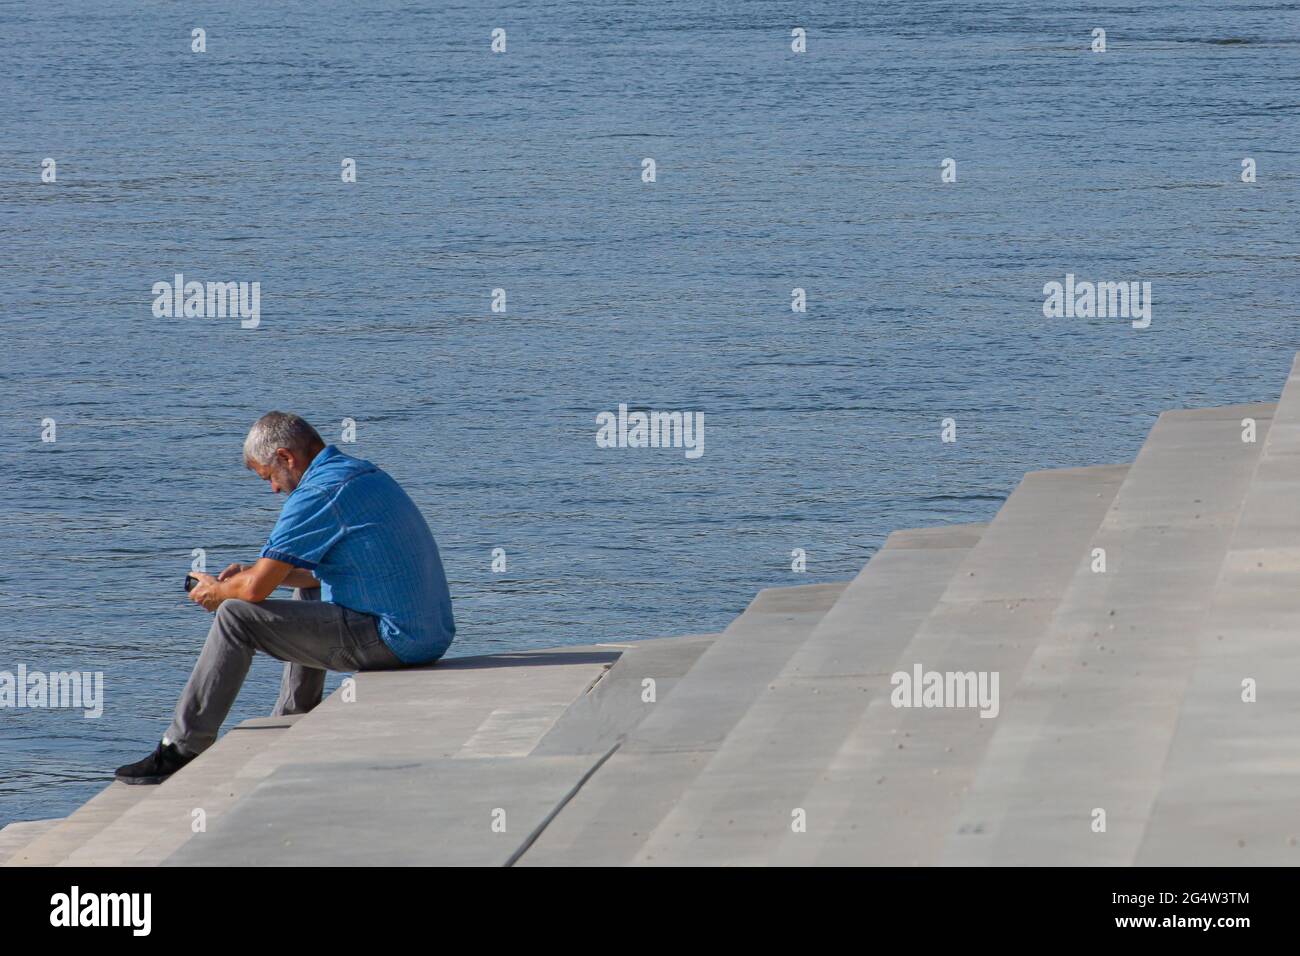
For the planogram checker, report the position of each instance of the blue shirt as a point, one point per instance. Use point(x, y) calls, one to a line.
point(353, 526)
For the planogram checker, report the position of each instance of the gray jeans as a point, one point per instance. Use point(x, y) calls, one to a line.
point(311, 636)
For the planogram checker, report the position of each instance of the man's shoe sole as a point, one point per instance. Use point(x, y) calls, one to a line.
point(137, 781)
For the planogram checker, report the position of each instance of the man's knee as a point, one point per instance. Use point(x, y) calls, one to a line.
point(231, 617)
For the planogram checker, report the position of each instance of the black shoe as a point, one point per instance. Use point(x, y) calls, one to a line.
point(156, 767)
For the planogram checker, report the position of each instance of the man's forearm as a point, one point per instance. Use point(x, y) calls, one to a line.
point(245, 587)
point(252, 583)
point(300, 578)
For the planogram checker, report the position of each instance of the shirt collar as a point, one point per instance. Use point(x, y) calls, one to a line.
point(329, 451)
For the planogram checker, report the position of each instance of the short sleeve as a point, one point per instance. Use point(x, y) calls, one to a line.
point(305, 531)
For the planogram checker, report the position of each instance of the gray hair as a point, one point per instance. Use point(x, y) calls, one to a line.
point(279, 430)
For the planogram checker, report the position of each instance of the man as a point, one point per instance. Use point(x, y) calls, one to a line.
point(346, 528)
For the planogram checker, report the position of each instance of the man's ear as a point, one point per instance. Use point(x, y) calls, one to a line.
point(286, 458)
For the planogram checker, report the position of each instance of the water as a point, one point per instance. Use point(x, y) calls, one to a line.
point(522, 171)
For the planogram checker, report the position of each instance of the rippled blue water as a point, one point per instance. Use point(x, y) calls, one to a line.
point(522, 171)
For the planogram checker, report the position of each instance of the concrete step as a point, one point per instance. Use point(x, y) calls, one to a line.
point(610, 817)
point(482, 718)
point(55, 843)
point(152, 829)
point(22, 832)
point(738, 809)
point(889, 794)
point(619, 700)
point(1095, 711)
point(409, 728)
point(452, 811)
point(1231, 781)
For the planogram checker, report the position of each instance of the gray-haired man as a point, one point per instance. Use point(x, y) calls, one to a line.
point(346, 528)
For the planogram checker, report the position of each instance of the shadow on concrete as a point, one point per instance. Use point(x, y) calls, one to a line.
point(521, 659)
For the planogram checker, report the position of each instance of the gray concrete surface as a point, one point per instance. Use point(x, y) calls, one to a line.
point(453, 703)
point(99, 811)
point(895, 784)
point(615, 811)
point(152, 829)
point(1230, 788)
point(447, 722)
point(19, 834)
point(738, 808)
point(617, 703)
point(448, 812)
point(460, 707)
point(1095, 711)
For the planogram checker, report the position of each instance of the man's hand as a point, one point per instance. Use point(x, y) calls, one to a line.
point(231, 571)
point(253, 582)
point(206, 593)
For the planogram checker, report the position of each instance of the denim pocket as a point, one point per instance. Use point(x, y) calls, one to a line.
point(362, 629)
point(361, 641)
point(371, 651)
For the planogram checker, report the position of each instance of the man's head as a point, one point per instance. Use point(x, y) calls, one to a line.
point(279, 447)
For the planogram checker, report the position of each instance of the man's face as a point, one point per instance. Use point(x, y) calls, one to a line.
point(284, 472)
